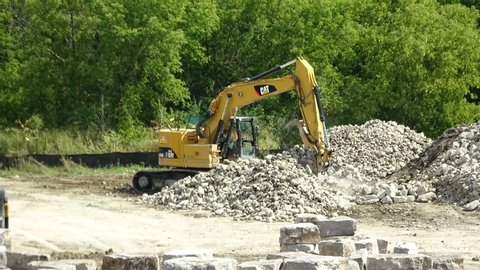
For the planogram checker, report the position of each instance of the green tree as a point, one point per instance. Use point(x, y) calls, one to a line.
point(414, 64)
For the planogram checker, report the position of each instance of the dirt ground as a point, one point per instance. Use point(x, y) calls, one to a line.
point(88, 216)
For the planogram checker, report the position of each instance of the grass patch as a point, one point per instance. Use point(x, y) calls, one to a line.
point(69, 168)
point(17, 141)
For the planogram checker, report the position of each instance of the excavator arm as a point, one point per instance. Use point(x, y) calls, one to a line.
point(312, 128)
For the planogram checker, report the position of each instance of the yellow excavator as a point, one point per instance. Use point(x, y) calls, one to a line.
point(221, 134)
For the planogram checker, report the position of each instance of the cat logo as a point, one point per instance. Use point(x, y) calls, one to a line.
point(264, 89)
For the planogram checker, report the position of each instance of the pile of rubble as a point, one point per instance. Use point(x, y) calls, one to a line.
point(451, 165)
point(272, 189)
point(281, 186)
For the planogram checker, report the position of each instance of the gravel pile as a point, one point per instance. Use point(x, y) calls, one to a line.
point(276, 188)
point(451, 165)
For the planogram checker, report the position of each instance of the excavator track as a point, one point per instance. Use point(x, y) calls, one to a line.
point(153, 181)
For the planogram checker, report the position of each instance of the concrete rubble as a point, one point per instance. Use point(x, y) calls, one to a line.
point(451, 165)
point(276, 188)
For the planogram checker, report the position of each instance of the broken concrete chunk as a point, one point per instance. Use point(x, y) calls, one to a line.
point(337, 226)
point(188, 252)
point(339, 247)
point(3, 257)
point(130, 261)
point(448, 263)
point(427, 197)
point(300, 233)
point(405, 248)
point(261, 265)
point(20, 261)
point(192, 263)
point(320, 262)
point(472, 205)
point(400, 261)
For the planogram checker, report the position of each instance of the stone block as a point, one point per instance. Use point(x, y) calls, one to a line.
point(20, 261)
point(309, 218)
point(360, 256)
point(382, 245)
point(448, 263)
point(188, 252)
point(308, 248)
point(370, 245)
point(400, 261)
point(320, 263)
point(300, 233)
point(143, 261)
point(288, 255)
point(193, 263)
point(405, 248)
point(63, 265)
point(337, 226)
point(261, 265)
point(339, 247)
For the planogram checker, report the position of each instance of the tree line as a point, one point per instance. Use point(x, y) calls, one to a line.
point(122, 64)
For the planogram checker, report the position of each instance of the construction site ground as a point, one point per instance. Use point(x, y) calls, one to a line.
point(87, 216)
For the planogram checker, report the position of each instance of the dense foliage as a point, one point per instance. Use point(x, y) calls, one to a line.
point(120, 65)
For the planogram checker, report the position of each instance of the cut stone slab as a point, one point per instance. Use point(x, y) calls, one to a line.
point(370, 245)
point(339, 247)
point(289, 255)
point(309, 248)
point(309, 218)
point(337, 226)
point(400, 261)
point(188, 252)
point(382, 245)
point(320, 263)
point(261, 265)
point(193, 263)
point(448, 263)
point(20, 261)
point(381, 242)
point(63, 265)
point(360, 256)
point(405, 248)
point(140, 261)
point(299, 233)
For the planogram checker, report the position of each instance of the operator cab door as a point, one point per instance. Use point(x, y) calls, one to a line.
point(241, 139)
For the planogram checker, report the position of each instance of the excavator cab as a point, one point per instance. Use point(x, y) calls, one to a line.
point(240, 139)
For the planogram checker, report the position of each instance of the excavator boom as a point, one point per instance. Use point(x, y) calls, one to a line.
point(312, 129)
